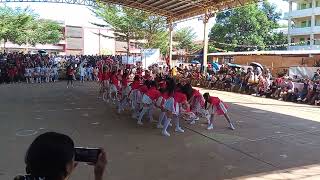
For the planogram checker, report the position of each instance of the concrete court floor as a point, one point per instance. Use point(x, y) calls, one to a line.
point(273, 139)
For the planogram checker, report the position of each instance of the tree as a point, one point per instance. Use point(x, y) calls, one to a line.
point(12, 23)
point(22, 26)
point(131, 24)
point(185, 37)
point(247, 28)
point(40, 31)
point(125, 22)
point(155, 33)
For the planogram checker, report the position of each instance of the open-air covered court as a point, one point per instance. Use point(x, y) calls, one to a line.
point(273, 139)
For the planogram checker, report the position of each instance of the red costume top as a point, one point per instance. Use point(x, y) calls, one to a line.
point(153, 93)
point(215, 101)
point(143, 89)
point(135, 85)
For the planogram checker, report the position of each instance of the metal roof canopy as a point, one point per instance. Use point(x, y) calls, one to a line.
point(176, 10)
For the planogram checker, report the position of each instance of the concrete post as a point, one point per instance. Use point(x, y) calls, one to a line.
point(289, 23)
point(313, 23)
point(170, 42)
point(205, 41)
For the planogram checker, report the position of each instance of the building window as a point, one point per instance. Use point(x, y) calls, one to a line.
point(308, 43)
point(306, 24)
point(317, 4)
point(303, 6)
point(292, 40)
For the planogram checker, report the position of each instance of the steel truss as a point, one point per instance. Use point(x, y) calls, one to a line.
point(77, 2)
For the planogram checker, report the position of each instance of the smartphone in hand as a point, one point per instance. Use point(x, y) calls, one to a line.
point(88, 155)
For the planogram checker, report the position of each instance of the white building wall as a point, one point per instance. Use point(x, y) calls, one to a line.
point(92, 44)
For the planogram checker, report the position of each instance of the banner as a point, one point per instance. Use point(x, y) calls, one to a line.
point(302, 72)
point(149, 57)
point(132, 60)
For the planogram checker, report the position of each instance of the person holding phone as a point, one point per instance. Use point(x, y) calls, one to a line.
point(52, 156)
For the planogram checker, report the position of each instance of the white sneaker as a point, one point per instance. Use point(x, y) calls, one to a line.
point(140, 123)
point(193, 122)
point(159, 126)
point(165, 133)
point(210, 127)
point(196, 119)
point(232, 127)
point(178, 129)
point(170, 124)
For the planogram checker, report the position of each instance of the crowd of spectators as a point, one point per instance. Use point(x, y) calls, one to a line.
point(43, 68)
point(258, 81)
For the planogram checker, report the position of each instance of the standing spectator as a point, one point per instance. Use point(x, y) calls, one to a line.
point(70, 74)
point(82, 73)
point(55, 73)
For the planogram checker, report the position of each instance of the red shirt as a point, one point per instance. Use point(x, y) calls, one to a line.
point(70, 72)
point(100, 76)
point(125, 81)
point(196, 93)
point(179, 97)
point(107, 75)
point(214, 100)
point(147, 77)
point(165, 95)
point(143, 89)
point(114, 80)
point(135, 85)
point(163, 85)
point(153, 93)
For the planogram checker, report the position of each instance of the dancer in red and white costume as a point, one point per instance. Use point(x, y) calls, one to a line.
point(216, 107)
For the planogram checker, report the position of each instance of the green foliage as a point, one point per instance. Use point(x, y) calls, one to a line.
point(185, 37)
point(131, 24)
point(22, 26)
point(247, 28)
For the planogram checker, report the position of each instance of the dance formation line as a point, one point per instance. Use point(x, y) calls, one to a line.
point(144, 93)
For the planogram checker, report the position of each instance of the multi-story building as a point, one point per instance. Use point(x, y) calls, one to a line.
point(303, 24)
point(77, 40)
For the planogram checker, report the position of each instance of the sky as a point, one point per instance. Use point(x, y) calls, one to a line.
point(82, 16)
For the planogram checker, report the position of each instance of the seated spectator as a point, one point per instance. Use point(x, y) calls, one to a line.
point(51, 157)
point(316, 92)
point(304, 90)
point(316, 75)
point(287, 90)
point(236, 83)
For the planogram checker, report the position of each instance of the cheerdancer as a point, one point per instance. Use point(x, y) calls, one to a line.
point(114, 87)
point(216, 106)
point(160, 103)
point(148, 100)
point(133, 95)
point(196, 102)
point(140, 92)
point(125, 90)
point(172, 107)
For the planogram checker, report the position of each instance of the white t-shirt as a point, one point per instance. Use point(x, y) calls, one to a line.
point(82, 71)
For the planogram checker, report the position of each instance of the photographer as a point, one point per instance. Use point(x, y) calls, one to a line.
point(51, 156)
